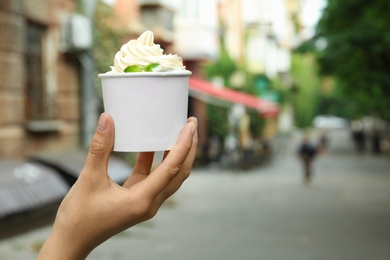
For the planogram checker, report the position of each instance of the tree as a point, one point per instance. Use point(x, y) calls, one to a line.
point(223, 67)
point(306, 89)
point(108, 38)
point(356, 34)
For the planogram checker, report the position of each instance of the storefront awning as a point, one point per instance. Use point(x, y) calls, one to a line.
point(211, 93)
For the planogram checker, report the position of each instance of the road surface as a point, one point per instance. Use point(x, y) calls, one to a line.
point(264, 213)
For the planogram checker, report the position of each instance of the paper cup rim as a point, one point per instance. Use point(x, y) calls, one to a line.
point(144, 74)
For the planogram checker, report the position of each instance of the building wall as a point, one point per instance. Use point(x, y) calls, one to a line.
point(128, 18)
point(230, 13)
point(60, 76)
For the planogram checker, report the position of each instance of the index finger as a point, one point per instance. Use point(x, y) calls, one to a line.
point(163, 175)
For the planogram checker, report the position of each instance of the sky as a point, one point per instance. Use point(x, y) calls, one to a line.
point(311, 13)
point(109, 1)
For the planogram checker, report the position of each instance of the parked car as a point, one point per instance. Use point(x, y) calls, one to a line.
point(330, 122)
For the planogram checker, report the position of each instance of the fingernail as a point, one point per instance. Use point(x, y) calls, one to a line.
point(102, 125)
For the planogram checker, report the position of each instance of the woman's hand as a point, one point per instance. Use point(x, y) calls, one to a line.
point(96, 208)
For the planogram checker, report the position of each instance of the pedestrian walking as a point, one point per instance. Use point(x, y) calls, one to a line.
point(307, 152)
point(359, 136)
point(376, 140)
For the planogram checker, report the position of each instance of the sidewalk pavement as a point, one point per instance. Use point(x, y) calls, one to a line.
point(265, 213)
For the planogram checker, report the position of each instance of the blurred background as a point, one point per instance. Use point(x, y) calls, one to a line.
point(266, 74)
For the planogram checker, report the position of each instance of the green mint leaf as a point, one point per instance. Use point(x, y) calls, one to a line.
point(150, 67)
point(133, 68)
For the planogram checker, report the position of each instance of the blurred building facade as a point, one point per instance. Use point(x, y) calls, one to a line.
point(197, 41)
point(136, 16)
point(39, 85)
point(260, 35)
point(198, 27)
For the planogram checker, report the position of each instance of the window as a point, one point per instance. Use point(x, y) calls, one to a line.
point(155, 15)
point(40, 101)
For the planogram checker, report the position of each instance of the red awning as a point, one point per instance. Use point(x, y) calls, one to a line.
point(208, 92)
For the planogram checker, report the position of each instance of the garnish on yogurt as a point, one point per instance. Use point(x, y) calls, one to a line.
point(138, 68)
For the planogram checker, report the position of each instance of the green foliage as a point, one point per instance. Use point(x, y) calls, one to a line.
point(256, 123)
point(107, 38)
point(282, 91)
point(337, 103)
point(218, 116)
point(80, 7)
point(107, 41)
point(357, 35)
point(217, 124)
point(224, 66)
point(306, 92)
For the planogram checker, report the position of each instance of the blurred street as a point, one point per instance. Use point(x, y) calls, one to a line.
point(265, 213)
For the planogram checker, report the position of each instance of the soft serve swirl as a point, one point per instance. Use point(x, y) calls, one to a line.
point(142, 52)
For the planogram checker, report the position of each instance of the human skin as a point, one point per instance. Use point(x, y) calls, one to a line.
point(96, 208)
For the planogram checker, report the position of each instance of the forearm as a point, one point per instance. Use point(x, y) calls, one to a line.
point(60, 246)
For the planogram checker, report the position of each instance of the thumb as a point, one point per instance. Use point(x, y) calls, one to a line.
point(100, 148)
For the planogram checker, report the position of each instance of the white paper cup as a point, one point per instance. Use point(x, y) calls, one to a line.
point(149, 109)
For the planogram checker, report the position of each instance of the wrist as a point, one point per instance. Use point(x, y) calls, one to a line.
point(61, 244)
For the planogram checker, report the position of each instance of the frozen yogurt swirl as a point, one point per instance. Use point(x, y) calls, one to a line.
point(143, 52)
